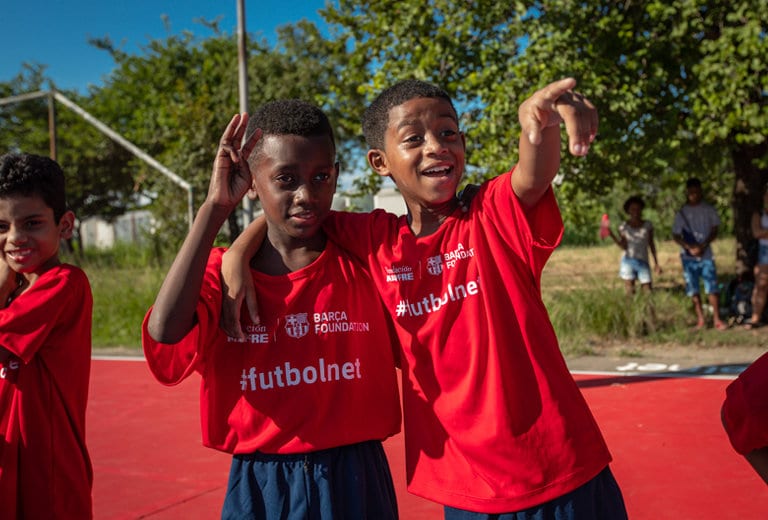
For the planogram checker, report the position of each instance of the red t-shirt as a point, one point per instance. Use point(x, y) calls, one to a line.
point(745, 409)
point(318, 372)
point(45, 470)
point(494, 422)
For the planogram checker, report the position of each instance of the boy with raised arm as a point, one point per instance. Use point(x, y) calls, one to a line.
point(305, 398)
point(494, 422)
point(45, 348)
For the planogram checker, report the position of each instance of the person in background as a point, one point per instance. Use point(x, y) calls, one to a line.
point(694, 229)
point(635, 237)
point(759, 226)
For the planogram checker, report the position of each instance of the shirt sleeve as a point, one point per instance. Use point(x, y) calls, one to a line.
point(532, 232)
point(677, 224)
point(171, 363)
point(745, 409)
point(623, 229)
point(361, 234)
point(29, 320)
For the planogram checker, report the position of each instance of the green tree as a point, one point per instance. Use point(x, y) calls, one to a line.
point(96, 184)
point(174, 98)
point(680, 86)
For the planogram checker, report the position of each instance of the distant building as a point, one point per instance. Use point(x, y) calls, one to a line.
point(129, 228)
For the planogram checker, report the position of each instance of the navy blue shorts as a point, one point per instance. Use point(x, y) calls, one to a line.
point(598, 499)
point(348, 482)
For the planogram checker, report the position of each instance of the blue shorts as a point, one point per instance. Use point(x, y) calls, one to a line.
point(695, 269)
point(762, 254)
point(634, 269)
point(345, 482)
point(598, 498)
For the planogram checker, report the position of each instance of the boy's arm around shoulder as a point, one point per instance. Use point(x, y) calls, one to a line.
point(349, 231)
point(540, 117)
point(236, 279)
point(173, 313)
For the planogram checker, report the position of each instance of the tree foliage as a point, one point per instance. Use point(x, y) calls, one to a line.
point(96, 185)
point(680, 86)
point(172, 100)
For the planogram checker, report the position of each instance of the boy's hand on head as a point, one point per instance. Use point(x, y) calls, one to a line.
point(556, 103)
point(231, 177)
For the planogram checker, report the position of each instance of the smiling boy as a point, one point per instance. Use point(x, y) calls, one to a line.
point(45, 348)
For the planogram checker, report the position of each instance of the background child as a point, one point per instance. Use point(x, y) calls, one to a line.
point(759, 226)
point(494, 421)
point(695, 227)
point(45, 348)
point(636, 238)
point(304, 399)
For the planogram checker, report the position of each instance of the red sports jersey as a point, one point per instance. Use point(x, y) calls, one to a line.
point(318, 372)
point(745, 410)
point(45, 470)
point(494, 422)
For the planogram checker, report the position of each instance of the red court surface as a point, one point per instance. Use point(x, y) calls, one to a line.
point(671, 456)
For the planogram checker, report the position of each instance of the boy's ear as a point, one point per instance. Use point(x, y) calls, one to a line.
point(67, 225)
point(378, 161)
point(252, 193)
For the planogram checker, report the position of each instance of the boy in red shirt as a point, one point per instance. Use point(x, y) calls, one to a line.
point(494, 422)
point(45, 348)
point(305, 397)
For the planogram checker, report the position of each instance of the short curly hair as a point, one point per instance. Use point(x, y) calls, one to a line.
point(376, 116)
point(634, 199)
point(29, 175)
point(289, 117)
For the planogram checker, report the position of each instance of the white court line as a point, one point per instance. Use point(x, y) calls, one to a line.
point(654, 375)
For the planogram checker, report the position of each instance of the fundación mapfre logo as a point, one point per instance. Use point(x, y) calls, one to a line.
point(296, 325)
point(435, 265)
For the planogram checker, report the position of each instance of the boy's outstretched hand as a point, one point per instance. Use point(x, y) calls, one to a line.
point(556, 103)
point(231, 177)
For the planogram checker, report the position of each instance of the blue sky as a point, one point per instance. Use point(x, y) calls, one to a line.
point(56, 32)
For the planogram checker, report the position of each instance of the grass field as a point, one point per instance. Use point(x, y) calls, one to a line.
point(580, 287)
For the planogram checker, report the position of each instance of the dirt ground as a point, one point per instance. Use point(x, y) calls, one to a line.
point(633, 358)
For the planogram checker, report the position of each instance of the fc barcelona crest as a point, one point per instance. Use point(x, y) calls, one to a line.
point(296, 325)
point(435, 265)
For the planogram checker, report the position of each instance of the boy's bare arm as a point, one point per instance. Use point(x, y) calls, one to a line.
point(236, 280)
point(173, 313)
point(540, 117)
point(618, 239)
point(652, 247)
